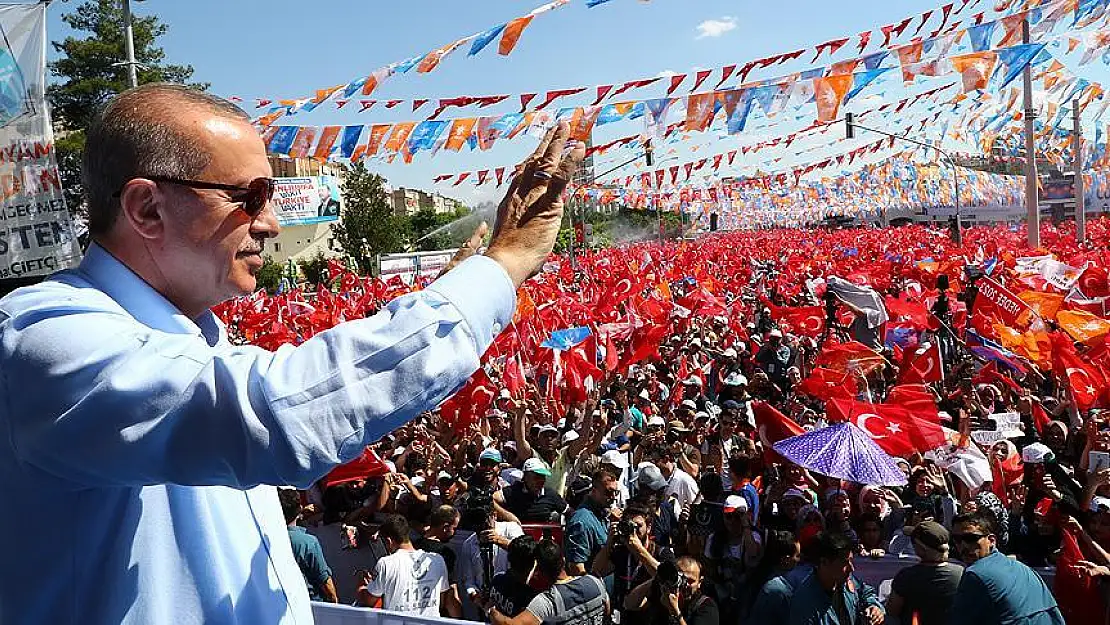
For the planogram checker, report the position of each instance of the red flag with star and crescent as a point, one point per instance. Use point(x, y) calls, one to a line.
point(805, 320)
point(924, 367)
point(893, 428)
point(773, 426)
point(1085, 381)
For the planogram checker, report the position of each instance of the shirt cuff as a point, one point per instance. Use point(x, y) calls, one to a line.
point(483, 293)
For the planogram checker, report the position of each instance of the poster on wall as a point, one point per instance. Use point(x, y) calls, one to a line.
point(306, 201)
point(37, 236)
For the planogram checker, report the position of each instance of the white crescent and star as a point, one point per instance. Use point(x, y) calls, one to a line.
point(891, 428)
point(1087, 386)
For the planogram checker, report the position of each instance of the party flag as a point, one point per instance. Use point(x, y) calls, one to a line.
point(582, 122)
point(306, 135)
point(974, 68)
point(399, 136)
point(656, 118)
point(981, 36)
point(425, 134)
point(461, 130)
point(484, 39)
point(327, 139)
point(282, 140)
point(350, 138)
point(829, 93)
point(432, 59)
point(1083, 326)
point(908, 55)
point(699, 111)
point(511, 36)
point(862, 79)
point(1014, 59)
point(377, 137)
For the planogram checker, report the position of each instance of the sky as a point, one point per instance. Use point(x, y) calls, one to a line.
point(287, 49)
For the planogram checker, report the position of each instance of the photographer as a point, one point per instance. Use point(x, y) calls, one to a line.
point(587, 531)
point(498, 536)
point(673, 596)
point(630, 553)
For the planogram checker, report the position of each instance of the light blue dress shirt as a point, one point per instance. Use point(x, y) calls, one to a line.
point(139, 450)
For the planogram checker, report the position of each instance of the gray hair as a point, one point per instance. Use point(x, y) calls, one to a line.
point(136, 135)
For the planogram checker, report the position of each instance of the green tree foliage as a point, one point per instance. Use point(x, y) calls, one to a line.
point(87, 75)
point(427, 221)
point(368, 226)
point(270, 274)
point(315, 269)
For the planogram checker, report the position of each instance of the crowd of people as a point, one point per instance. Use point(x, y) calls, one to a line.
point(655, 489)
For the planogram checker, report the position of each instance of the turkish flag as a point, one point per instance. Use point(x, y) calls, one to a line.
point(827, 384)
point(1078, 596)
point(925, 367)
point(805, 320)
point(893, 428)
point(1094, 282)
point(914, 314)
point(846, 356)
point(773, 426)
point(365, 466)
point(621, 292)
point(1086, 381)
point(989, 374)
point(917, 399)
point(513, 376)
point(645, 343)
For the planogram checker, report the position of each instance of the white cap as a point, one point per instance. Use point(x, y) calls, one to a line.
point(443, 475)
point(417, 481)
point(1098, 503)
point(775, 333)
point(701, 415)
point(1035, 453)
point(693, 380)
point(656, 420)
point(689, 404)
point(729, 353)
point(547, 427)
point(736, 379)
point(504, 394)
point(535, 465)
point(512, 476)
point(570, 436)
point(615, 458)
point(735, 503)
point(695, 342)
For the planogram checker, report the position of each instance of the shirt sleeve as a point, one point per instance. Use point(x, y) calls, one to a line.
point(317, 571)
point(376, 586)
point(542, 607)
point(106, 401)
point(577, 549)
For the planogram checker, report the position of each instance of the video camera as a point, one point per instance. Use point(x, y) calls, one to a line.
point(623, 530)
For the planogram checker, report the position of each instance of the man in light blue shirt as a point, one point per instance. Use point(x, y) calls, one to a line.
point(140, 449)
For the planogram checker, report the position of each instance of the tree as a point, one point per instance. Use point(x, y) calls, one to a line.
point(426, 221)
point(269, 275)
point(315, 269)
point(368, 226)
point(87, 75)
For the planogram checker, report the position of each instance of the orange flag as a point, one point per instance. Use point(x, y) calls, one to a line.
point(699, 111)
point(525, 306)
point(1083, 326)
point(303, 142)
point(582, 123)
point(909, 54)
point(829, 93)
point(432, 59)
point(399, 136)
point(512, 33)
point(975, 68)
point(459, 133)
point(1044, 304)
point(327, 139)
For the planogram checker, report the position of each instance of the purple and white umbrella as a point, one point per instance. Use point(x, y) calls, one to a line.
point(844, 451)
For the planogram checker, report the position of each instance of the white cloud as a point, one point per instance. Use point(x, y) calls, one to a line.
point(667, 73)
point(716, 28)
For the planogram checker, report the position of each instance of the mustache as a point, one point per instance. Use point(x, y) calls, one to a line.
point(255, 248)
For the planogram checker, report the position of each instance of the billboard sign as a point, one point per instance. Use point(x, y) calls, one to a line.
point(306, 201)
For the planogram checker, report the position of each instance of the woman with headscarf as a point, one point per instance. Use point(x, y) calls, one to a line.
point(884, 504)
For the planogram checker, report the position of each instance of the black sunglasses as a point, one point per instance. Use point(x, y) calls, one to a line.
point(968, 539)
point(253, 197)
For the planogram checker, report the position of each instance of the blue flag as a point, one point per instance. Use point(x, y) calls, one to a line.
point(1012, 60)
point(283, 139)
point(424, 136)
point(862, 79)
point(353, 86)
point(875, 59)
point(563, 340)
point(482, 40)
point(349, 140)
point(406, 65)
point(981, 36)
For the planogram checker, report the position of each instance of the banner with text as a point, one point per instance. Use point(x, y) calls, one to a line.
point(306, 201)
point(36, 232)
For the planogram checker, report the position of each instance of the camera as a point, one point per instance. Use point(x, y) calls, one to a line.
point(670, 579)
point(623, 530)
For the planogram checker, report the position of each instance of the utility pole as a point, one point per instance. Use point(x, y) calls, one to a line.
point(1077, 155)
point(1032, 208)
point(129, 45)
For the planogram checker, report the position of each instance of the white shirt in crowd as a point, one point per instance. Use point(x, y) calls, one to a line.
point(470, 557)
point(682, 488)
point(410, 581)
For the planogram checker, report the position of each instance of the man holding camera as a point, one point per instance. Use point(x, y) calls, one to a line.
point(587, 532)
point(497, 537)
point(630, 554)
point(674, 596)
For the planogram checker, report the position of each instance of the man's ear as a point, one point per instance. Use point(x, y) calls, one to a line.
point(141, 205)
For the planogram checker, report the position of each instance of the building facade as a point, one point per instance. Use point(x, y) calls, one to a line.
point(408, 202)
point(297, 243)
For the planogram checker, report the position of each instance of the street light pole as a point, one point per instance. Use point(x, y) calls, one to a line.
point(957, 234)
point(1032, 206)
point(1077, 155)
point(129, 45)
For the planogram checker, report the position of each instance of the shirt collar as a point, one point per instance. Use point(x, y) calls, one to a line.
point(139, 299)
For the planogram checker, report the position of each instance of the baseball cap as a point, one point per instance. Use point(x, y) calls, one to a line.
point(547, 427)
point(776, 333)
point(443, 475)
point(1036, 454)
point(729, 353)
point(931, 534)
point(651, 478)
point(656, 420)
point(504, 394)
point(537, 466)
point(735, 503)
point(570, 436)
point(695, 342)
point(490, 454)
point(512, 476)
point(736, 379)
point(693, 381)
point(614, 458)
point(1098, 504)
point(677, 426)
point(794, 492)
point(731, 405)
point(689, 404)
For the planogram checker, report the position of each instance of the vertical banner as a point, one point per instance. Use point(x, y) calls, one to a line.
point(37, 236)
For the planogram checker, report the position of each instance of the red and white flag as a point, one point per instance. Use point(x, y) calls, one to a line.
point(924, 367)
